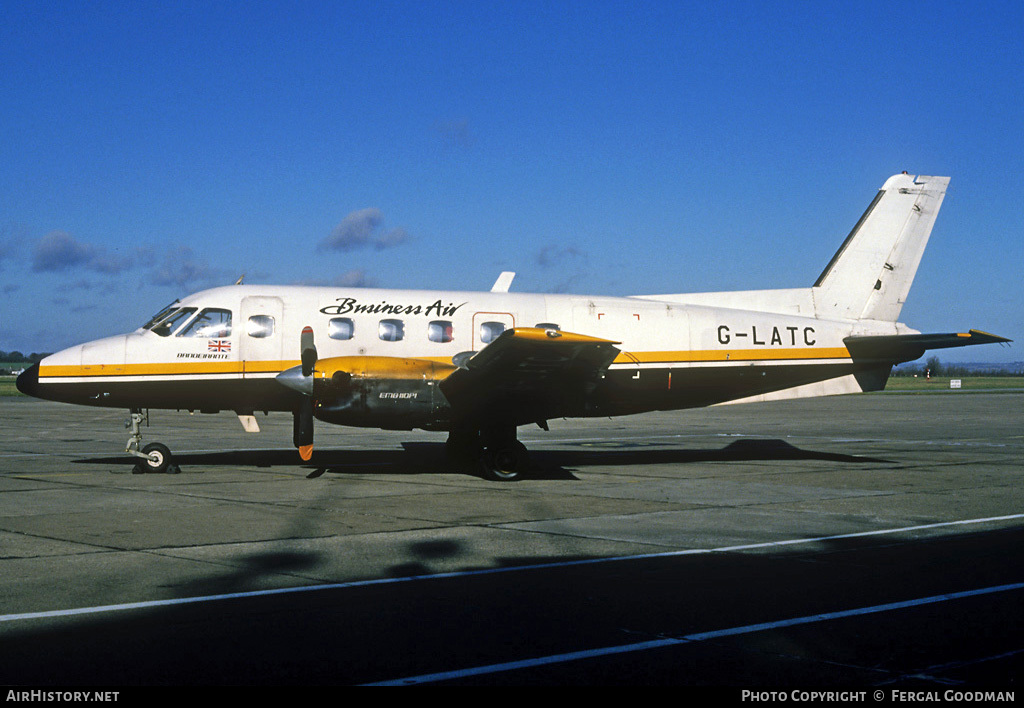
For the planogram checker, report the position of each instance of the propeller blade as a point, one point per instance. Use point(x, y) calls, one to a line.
point(303, 429)
point(308, 351)
point(300, 378)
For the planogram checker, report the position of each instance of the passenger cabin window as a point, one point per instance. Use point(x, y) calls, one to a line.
point(171, 322)
point(391, 330)
point(210, 323)
point(260, 326)
point(489, 331)
point(341, 328)
point(440, 331)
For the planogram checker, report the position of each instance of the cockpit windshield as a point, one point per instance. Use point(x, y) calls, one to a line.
point(160, 315)
point(171, 321)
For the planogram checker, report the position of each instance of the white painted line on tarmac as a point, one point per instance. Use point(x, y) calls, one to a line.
point(148, 604)
point(689, 638)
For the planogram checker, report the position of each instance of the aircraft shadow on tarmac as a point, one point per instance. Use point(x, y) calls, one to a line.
point(429, 458)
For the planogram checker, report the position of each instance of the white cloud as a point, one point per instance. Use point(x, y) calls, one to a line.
point(60, 251)
point(180, 267)
point(361, 228)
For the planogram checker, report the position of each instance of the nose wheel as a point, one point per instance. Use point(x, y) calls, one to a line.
point(155, 457)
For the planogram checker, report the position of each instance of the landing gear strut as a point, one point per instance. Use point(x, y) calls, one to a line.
point(499, 456)
point(154, 457)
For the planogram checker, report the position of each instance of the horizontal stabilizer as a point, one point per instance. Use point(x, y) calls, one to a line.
point(907, 347)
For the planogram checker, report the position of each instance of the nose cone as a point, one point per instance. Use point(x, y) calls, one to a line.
point(28, 381)
point(294, 379)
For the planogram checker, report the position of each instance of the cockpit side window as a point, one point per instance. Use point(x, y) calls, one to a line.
point(210, 323)
point(171, 321)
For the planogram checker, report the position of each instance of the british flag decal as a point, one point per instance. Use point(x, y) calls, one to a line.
point(220, 345)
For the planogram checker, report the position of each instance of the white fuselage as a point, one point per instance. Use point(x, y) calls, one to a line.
point(672, 354)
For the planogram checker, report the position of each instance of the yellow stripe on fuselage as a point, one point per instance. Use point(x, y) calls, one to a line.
point(168, 369)
point(200, 368)
point(676, 357)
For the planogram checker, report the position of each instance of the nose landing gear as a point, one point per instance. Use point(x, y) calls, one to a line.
point(154, 457)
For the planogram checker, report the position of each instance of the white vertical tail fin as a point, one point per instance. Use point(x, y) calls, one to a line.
point(870, 275)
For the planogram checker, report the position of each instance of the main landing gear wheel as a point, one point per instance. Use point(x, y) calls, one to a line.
point(506, 462)
point(493, 453)
point(158, 460)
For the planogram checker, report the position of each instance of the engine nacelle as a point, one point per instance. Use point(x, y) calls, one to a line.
point(381, 392)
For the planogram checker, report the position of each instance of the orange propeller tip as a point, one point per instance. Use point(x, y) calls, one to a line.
point(305, 452)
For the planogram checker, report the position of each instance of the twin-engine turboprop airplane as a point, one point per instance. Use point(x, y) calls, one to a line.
point(479, 365)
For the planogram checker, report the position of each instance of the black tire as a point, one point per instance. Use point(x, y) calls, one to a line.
point(163, 455)
point(505, 463)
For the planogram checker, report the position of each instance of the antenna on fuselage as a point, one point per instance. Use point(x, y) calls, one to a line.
point(240, 279)
point(501, 285)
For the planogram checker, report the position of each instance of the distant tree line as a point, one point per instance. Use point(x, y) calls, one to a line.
point(934, 367)
point(17, 357)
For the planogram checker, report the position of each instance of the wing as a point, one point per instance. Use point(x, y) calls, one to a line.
point(897, 348)
point(528, 375)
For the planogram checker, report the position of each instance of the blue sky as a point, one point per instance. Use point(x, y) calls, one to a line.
point(149, 150)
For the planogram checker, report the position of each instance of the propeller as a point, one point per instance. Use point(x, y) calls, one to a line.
point(308, 349)
point(300, 378)
point(303, 429)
